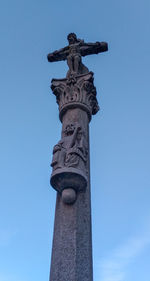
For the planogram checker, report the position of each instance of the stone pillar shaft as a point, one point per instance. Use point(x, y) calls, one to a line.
point(72, 242)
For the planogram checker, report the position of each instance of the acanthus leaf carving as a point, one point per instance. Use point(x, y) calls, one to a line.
point(76, 91)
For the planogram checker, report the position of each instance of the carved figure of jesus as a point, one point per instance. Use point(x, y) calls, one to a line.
point(73, 54)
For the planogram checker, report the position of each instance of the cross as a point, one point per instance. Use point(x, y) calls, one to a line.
point(74, 52)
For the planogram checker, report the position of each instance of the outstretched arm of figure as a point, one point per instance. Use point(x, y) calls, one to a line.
point(58, 55)
point(93, 48)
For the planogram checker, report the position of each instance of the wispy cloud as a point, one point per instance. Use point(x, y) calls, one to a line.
point(114, 267)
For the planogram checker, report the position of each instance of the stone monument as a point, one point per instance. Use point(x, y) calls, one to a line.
point(76, 97)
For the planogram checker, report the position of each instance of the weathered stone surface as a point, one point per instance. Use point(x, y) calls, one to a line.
point(69, 195)
point(76, 96)
point(72, 243)
point(72, 246)
point(76, 92)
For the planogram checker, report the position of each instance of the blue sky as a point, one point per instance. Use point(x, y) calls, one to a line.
point(119, 134)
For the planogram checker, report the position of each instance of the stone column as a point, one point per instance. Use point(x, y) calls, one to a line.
point(72, 242)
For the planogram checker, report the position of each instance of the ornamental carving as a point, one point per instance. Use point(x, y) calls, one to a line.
point(69, 161)
point(71, 150)
point(76, 91)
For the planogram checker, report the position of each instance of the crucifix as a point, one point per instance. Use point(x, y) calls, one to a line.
point(76, 97)
point(74, 52)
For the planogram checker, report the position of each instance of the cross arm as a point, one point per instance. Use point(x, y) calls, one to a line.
point(93, 48)
point(58, 55)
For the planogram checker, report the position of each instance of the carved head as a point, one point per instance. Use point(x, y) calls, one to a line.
point(72, 38)
point(69, 129)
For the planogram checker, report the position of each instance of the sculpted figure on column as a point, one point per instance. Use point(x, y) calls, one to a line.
point(71, 150)
point(73, 54)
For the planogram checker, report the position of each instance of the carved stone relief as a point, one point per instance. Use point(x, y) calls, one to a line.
point(74, 92)
point(71, 150)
